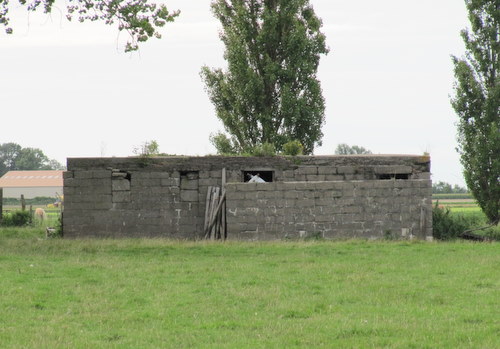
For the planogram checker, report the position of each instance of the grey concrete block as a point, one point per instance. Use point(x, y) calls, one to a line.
point(311, 178)
point(82, 174)
point(346, 170)
point(169, 182)
point(327, 170)
point(101, 174)
point(189, 184)
point(334, 177)
point(291, 194)
point(120, 185)
point(145, 182)
point(307, 170)
point(140, 175)
point(189, 195)
point(121, 196)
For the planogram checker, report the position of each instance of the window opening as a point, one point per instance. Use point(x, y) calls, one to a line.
point(258, 176)
point(393, 176)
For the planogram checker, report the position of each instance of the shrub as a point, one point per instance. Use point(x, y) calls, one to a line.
point(447, 226)
point(293, 148)
point(265, 149)
point(16, 219)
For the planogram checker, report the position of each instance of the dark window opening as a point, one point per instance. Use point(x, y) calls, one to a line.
point(393, 176)
point(266, 176)
point(190, 175)
point(117, 174)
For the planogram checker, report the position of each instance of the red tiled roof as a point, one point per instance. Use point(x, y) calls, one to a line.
point(13, 179)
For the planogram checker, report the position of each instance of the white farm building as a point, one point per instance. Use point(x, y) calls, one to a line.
point(31, 184)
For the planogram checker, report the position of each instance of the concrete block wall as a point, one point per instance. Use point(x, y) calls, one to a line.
point(165, 197)
point(343, 209)
point(117, 203)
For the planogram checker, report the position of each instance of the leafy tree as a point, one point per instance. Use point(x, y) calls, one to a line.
point(222, 144)
point(8, 154)
point(477, 104)
point(14, 157)
point(140, 18)
point(344, 149)
point(446, 188)
point(269, 92)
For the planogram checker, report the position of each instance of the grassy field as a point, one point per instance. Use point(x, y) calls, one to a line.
point(164, 294)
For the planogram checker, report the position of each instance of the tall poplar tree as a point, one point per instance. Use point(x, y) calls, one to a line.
point(269, 92)
point(477, 104)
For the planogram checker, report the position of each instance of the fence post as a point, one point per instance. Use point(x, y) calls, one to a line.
point(1, 207)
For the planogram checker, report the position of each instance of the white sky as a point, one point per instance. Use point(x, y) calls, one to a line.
point(68, 88)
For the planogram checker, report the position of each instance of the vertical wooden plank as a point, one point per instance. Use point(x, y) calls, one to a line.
point(213, 216)
point(207, 211)
point(223, 213)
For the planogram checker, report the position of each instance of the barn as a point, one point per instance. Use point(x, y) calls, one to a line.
point(32, 184)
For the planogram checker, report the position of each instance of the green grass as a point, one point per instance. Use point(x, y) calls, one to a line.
point(157, 293)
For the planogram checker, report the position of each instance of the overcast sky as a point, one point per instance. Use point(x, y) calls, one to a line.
point(68, 88)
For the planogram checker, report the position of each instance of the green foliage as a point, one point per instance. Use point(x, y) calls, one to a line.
point(146, 152)
point(13, 157)
point(293, 148)
point(345, 149)
point(140, 18)
point(269, 93)
point(148, 149)
point(222, 144)
point(446, 225)
point(266, 149)
point(55, 231)
point(16, 219)
point(477, 105)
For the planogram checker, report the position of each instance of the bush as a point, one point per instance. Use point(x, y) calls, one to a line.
point(447, 226)
point(265, 149)
point(293, 148)
point(16, 219)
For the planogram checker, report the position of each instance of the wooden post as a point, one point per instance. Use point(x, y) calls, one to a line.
point(223, 216)
point(219, 206)
point(23, 203)
point(207, 211)
point(213, 216)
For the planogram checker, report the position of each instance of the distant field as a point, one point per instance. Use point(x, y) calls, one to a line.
point(451, 196)
point(167, 294)
point(455, 200)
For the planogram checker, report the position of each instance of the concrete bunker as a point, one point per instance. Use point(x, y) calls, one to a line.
point(367, 196)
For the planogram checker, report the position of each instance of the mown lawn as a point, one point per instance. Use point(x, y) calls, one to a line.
point(166, 294)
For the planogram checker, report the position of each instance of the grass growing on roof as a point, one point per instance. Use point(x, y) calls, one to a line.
point(158, 293)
